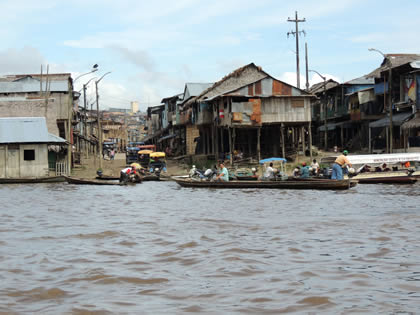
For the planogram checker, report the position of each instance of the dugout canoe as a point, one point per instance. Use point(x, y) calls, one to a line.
point(85, 181)
point(33, 180)
point(286, 184)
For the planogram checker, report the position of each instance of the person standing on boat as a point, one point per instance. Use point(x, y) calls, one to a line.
point(224, 174)
point(340, 162)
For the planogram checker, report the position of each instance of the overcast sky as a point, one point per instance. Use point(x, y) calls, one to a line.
point(154, 47)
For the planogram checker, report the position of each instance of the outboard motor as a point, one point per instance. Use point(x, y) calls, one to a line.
point(209, 174)
point(157, 171)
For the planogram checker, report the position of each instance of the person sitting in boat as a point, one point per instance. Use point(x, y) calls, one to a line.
point(296, 171)
point(315, 167)
point(406, 164)
point(127, 172)
point(385, 168)
point(269, 172)
point(224, 174)
point(365, 169)
point(340, 162)
point(304, 171)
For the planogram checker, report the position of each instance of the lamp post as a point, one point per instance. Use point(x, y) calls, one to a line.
point(325, 108)
point(389, 96)
point(85, 106)
point(99, 121)
point(70, 114)
point(84, 119)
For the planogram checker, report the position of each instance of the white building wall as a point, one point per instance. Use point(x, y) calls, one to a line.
point(13, 164)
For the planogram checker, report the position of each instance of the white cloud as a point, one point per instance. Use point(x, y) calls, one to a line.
point(25, 60)
point(290, 77)
point(140, 58)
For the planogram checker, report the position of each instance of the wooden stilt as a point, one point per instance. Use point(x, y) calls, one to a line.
point(283, 144)
point(303, 140)
point(259, 143)
point(310, 139)
point(230, 146)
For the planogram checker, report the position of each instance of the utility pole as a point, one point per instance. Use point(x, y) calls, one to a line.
point(389, 64)
point(306, 63)
point(99, 150)
point(99, 120)
point(296, 34)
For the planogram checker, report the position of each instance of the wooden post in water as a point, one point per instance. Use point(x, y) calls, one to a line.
point(310, 139)
point(233, 138)
point(222, 144)
point(303, 139)
point(207, 129)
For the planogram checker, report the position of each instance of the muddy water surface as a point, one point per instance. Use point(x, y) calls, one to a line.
point(156, 248)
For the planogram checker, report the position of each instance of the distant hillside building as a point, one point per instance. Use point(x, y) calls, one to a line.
point(134, 107)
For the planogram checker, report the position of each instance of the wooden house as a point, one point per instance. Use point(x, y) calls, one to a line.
point(251, 112)
point(27, 149)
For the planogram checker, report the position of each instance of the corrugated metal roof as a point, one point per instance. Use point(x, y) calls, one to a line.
point(397, 120)
point(361, 80)
point(26, 87)
point(195, 89)
point(396, 60)
point(26, 130)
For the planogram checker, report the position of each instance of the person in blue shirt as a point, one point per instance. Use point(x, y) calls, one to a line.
point(304, 171)
point(224, 174)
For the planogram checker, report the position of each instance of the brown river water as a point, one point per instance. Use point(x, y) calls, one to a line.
point(157, 248)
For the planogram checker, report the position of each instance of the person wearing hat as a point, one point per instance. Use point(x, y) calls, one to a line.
point(340, 162)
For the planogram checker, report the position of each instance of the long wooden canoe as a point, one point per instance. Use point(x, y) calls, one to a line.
point(393, 177)
point(107, 177)
point(287, 184)
point(33, 180)
point(85, 181)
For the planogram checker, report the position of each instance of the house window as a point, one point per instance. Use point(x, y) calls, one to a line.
point(298, 103)
point(29, 155)
point(61, 129)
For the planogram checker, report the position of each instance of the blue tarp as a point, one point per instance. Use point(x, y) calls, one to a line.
point(272, 159)
point(133, 149)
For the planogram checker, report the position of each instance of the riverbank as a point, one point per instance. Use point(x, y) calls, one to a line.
point(89, 166)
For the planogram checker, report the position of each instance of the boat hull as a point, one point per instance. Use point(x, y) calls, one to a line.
point(385, 178)
point(33, 180)
point(287, 184)
point(84, 181)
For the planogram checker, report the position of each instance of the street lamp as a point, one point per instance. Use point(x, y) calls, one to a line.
point(99, 121)
point(325, 108)
point(94, 69)
point(388, 59)
point(70, 114)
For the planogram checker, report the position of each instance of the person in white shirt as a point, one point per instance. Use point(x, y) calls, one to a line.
point(315, 167)
point(269, 172)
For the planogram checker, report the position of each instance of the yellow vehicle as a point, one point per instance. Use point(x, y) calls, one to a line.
point(144, 157)
point(157, 162)
point(157, 155)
